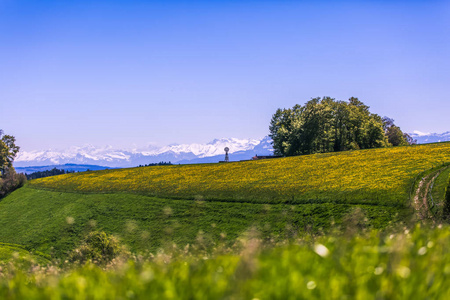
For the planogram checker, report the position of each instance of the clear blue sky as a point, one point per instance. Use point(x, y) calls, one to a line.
point(138, 72)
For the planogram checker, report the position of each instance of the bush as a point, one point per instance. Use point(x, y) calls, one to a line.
point(97, 247)
point(11, 181)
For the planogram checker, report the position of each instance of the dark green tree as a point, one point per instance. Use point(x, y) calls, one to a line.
point(8, 151)
point(326, 125)
point(395, 136)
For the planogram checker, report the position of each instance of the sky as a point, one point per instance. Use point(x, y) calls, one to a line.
point(125, 73)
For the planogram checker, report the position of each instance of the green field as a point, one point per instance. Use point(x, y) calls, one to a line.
point(17, 253)
point(150, 207)
point(333, 226)
point(55, 222)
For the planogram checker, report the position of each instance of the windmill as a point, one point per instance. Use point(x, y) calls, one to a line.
point(227, 159)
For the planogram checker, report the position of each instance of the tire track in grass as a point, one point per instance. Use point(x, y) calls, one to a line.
point(421, 195)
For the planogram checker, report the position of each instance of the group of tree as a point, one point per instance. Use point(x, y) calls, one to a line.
point(161, 163)
point(329, 125)
point(9, 179)
point(47, 173)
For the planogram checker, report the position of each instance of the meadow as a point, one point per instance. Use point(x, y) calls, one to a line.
point(20, 254)
point(334, 226)
point(54, 223)
point(403, 264)
point(150, 207)
point(377, 176)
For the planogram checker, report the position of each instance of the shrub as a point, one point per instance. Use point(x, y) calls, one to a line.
point(11, 181)
point(98, 247)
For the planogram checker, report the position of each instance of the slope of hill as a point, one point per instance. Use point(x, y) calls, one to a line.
point(367, 176)
point(217, 202)
point(55, 222)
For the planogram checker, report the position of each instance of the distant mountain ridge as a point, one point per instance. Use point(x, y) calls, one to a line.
point(240, 149)
point(66, 167)
point(425, 138)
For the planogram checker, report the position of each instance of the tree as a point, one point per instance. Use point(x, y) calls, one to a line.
point(326, 125)
point(8, 151)
point(395, 136)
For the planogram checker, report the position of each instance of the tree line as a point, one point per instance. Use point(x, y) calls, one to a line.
point(329, 125)
point(161, 163)
point(47, 173)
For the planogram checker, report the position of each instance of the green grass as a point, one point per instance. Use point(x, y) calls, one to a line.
point(279, 197)
point(18, 253)
point(401, 265)
point(255, 230)
point(439, 186)
point(55, 222)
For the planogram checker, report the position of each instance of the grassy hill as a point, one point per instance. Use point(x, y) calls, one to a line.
point(376, 176)
point(155, 206)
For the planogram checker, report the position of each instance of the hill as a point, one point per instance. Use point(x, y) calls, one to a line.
point(154, 206)
point(375, 176)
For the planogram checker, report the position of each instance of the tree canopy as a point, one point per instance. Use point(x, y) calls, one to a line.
point(327, 125)
point(8, 151)
point(395, 135)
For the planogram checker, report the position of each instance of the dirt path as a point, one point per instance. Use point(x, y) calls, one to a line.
point(422, 193)
point(420, 199)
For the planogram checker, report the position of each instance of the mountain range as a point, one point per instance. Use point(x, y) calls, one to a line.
point(240, 149)
point(426, 138)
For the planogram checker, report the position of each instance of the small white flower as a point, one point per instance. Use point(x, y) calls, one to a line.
point(321, 250)
point(422, 251)
point(311, 285)
point(378, 270)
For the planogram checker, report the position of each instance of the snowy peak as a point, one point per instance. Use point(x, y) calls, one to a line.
point(240, 149)
point(212, 148)
point(107, 156)
point(424, 138)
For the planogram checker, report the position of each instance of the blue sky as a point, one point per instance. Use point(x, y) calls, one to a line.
point(137, 72)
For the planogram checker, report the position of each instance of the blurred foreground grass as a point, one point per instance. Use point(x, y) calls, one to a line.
point(396, 264)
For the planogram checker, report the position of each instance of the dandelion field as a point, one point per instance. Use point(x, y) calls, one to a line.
point(376, 176)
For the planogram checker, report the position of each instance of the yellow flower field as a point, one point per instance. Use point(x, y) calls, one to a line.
point(376, 176)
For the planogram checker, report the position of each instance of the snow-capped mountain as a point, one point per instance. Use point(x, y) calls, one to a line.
point(240, 149)
point(425, 138)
